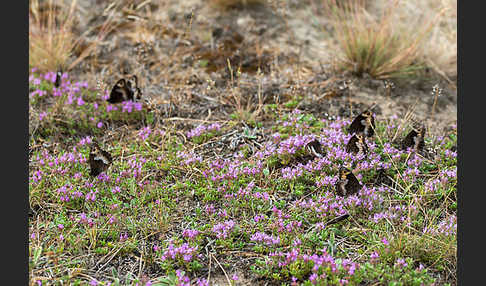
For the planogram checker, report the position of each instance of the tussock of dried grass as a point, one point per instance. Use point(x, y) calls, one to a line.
point(51, 40)
point(384, 43)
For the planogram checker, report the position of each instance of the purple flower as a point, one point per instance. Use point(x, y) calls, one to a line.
point(201, 129)
point(257, 218)
point(112, 219)
point(202, 282)
point(190, 233)
point(80, 101)
point(123, 236)
point(401, 263)
point(313, 278)
point(385, 241)
point(144, 133)
point(105, 97)
point(267, 239)
point(127, 106)
point(42, 115)
point(374, 256)
point(184, 251)
point(110, 107)
point(421, 267)
point(222, 229)
point(188, 158)
point(209, 209)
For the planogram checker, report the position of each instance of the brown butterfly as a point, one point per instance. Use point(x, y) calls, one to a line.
point(315, 148)
point(58, 79)
point(357, 144)
point(415, 139)
point(382, 178)
point(125, 89)
point(364, 123)
point(347, 183)
point(337, 219)
point(99, 160)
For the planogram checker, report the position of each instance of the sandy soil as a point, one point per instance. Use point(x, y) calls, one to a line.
point(295, 43)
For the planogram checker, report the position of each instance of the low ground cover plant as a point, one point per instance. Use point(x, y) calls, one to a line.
point(257, 210)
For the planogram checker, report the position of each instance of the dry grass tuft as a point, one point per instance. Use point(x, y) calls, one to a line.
point(440, 51)
point(51, 38)
point(383, 47)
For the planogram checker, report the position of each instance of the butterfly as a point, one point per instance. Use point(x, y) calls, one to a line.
point(357, 144)
point(314, 147)
point(347, 183)
point(415, 139)
point(337, 219)
point(57, 83)
point(363, 123)
point(125, 89)
point(381, 178)
point(99, 160)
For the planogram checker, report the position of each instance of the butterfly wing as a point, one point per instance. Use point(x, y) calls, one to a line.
point(99, 161)
point(58, 79)
point(96, 165)
point(119, 92)
point(352, 147)
point(409, 140)
point(368, 123)
point(134, 78)
point(419, 140)
point(337, 219)
point(347, 184)
point(356, 126)
point(130, 90)
point(341, 182)
point(353, 186)
point(361, 145)
point(137, 93)
point(340, 189)
point(106, 157)
point(315, 148)
point(365, 147)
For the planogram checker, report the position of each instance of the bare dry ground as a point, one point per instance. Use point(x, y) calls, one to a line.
point(293, 44)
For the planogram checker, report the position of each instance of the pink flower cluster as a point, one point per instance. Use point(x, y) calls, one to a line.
point(223, 229)
point(144, 133)
point(265, 238)
point(447, 226)
point(184, 251)
point(190, 233)
point(198, 131)
point(188, 158)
